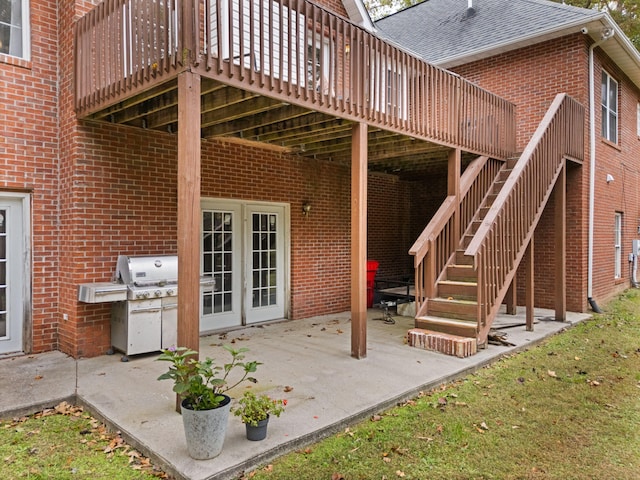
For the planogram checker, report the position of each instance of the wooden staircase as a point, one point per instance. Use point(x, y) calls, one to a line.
point(454, 308)
point(468, 255)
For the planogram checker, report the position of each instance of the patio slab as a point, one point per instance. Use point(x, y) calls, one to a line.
point(307, 362)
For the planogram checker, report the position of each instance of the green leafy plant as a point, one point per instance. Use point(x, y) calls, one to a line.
point(201, 383)
point(252, 408)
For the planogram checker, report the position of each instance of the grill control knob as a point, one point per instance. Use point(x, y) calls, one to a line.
point(158, 293)
point(170, 292)
point(145, 294)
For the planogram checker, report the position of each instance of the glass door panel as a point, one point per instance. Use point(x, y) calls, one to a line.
point(221, 260)
point(265, 263)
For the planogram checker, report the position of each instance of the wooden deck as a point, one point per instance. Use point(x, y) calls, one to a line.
point(285, 73)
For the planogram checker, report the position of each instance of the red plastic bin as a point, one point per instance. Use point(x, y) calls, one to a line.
point(372, 269)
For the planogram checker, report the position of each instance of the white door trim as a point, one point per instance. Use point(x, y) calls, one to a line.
point(240, 270)
point(19, 301)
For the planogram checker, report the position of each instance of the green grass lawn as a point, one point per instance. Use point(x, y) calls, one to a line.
point(67, 443)
point(567, 409)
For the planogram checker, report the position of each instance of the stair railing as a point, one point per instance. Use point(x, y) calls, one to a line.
point(439, 240)
point(501, 240)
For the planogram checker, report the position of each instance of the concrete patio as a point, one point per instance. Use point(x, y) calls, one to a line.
point(307, 362)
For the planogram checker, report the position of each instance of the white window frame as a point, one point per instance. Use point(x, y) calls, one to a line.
point(610, 110)
point(617, 245)
point(23, 49)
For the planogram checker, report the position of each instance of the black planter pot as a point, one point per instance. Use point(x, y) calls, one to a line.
point(259, 432)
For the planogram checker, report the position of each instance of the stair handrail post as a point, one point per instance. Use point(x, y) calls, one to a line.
point(430, 271)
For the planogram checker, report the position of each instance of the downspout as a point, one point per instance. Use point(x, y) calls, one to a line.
point(607, 33)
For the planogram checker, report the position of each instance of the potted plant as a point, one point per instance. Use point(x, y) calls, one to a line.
point(255, 410)
point(201, 387)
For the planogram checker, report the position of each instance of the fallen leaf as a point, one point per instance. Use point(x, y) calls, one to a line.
point(337, 476)
point(38, 377)
point(287, 388)
point(376, 418)
point(551, 373)
point(484, 426)
point(386, 459)
point(400, 473)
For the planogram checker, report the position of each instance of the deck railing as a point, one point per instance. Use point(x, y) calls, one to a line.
point(501, 240)
point(292, 50)
point(439, 240)
point(122, 45)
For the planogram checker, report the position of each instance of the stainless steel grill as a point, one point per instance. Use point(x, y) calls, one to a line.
point(148, 276)
point(144, 296)
point(148, 320)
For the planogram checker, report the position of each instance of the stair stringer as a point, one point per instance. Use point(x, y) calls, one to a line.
point(485, 326)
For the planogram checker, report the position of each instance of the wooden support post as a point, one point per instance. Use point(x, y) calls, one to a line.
point(511, 298)
point(560, 212)
point(189, 210)
point(528, 262)
point(359, 241)
point(454, 169)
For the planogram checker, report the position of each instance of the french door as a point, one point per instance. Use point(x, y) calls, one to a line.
point(14, 265)
point(244, 251)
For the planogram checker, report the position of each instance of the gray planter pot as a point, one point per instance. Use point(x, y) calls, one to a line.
point(258, 432)
point(205, 430)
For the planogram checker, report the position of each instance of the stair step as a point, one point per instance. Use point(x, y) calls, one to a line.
point(458, 290)
point(461, 273)
point(465, 310)
point(462, 259)
point(455, 345)
point(451, 326)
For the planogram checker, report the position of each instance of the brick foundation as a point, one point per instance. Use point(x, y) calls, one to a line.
point(454, 345)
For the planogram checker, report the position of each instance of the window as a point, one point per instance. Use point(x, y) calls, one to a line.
point(609, 100)
point(638, 119)
point(14, 28)
point(617, 245)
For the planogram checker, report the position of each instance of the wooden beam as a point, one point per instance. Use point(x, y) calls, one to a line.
point(189, 210)
point(529, 285)
point(359, 241)
point(453, 189)
point(560, 231)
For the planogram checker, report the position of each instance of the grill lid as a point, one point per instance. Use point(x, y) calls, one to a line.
point(147, 270)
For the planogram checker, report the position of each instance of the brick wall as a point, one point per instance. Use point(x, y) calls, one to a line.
point(389, 225)
point(28, 160)
point(530, 78)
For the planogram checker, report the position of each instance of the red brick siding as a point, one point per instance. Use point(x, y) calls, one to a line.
point(389, 226)
point(28, 161)
point(530, 78)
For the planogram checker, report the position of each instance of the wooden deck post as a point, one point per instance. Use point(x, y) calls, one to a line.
point(189, 210)
point(529, 285)
point(560, 211)
point(511, 298)
point(359, 241)
point(454, 168)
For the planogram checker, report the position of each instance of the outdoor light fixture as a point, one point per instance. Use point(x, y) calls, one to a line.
point(347, 48)
point(609, 178)
point(306, 208)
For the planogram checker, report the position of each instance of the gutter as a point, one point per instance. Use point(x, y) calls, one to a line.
point(607, 33)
